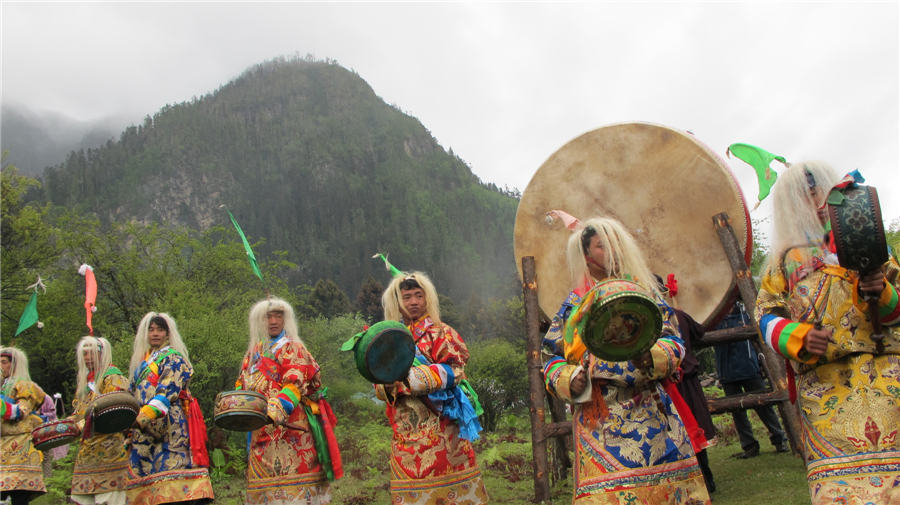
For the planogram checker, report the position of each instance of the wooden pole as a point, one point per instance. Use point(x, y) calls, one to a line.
point(562, 444)
point(535, 381)
point(772, 364)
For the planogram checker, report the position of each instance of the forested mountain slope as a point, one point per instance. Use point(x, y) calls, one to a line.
point(310, 161)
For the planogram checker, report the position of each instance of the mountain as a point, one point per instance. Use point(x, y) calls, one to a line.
point(310, 160)
point(35, 140)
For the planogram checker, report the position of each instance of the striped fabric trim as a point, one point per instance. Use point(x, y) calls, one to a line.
point(552, 370)
point(161, 404)
point(11, 411)
point(289, 398)
point(889, 307)
point(786, 337)
point(669, 352)
point(862, 464)
point(402, 485)
point(443, 374)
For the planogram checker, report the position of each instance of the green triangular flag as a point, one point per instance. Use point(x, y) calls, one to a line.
point(30, 315)
point(759, 159)
point(394, 270)
point(250, 255)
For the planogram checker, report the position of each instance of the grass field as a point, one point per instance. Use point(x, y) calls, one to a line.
point(505, 459)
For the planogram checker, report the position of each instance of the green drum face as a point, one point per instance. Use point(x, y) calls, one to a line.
point(385, 352)
point(858, 229)
point(617, 320)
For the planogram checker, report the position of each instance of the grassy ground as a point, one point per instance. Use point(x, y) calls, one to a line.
point(505, 459)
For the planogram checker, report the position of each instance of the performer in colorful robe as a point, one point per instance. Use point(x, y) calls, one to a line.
point(814, 312)
point(284, 465)
point(631, 446)
point(21, 475)
point(168, 448)
point(432, 461)
point(101, 466)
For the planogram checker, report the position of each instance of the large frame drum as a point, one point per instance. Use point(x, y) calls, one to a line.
point(663, 185)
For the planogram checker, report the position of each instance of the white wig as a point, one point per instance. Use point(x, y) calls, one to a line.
point(18, 369)
point(100, 352)
point(259, 331)
point(623, 256)
point(142, 344)
point(798, 194)
point(393, 303)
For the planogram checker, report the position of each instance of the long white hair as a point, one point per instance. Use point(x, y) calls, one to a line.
point(100, 351)
point(259, 331)
point(142, 345)
point(623, 256)
point(18, 369)
point(393, 304)
point(799, 192)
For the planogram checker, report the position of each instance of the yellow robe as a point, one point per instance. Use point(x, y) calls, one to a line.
point(20, 462)
point(101, 465)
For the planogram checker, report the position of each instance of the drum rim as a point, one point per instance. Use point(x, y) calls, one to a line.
point(645, 299)
point(362, 354)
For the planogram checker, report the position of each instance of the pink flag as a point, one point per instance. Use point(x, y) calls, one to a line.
point(90, 293)
point(571, 222)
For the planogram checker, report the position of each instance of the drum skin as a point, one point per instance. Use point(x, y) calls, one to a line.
point(385, 352)
point(54, 434)
point(114, 412)
point(240, 410)
point(617, 320)
point(858, 229)
point(663, 185)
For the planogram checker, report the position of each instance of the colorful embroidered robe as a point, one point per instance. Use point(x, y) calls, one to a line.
point(849, 397)
point(631, 448)
point(283, 466)
point(20, 462)
point(161, 466)
point(430, 463)
point(101, 465)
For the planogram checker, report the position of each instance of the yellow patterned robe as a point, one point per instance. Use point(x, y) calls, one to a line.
point(101, 466)
point(849, 398)
point(20, 462)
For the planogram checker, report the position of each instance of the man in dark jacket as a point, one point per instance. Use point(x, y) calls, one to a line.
point(738, 369)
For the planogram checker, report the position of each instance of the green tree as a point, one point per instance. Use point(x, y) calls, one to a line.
point(760, 252)
point(327, 299)
point(497, 372)
point(368, 299)
point(28, 243)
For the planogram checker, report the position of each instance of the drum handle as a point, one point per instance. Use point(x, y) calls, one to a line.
point(877, 335)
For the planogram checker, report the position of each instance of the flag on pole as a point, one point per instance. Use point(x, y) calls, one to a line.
point(90, 294)
point(250, 256)
point(387, 264)
point(759, 159)
point(30, 315)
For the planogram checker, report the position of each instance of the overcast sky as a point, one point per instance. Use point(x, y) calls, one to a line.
point(505, 84)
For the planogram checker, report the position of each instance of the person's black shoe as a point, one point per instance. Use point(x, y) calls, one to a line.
point(749, 453)
point(783, 447)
